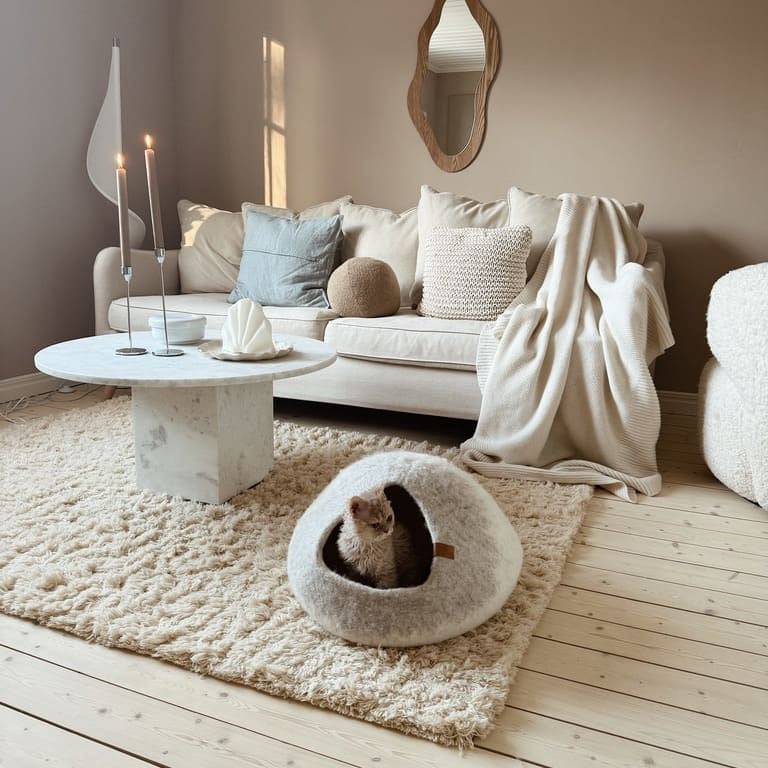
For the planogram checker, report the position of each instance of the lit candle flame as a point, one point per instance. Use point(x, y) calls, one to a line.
point(148, 141)
point(119, 160)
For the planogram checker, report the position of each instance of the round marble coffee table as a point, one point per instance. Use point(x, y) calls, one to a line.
point(202, 427)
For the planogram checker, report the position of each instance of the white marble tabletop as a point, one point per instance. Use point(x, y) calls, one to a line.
point(93, 360)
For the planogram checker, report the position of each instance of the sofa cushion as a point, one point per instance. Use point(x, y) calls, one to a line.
point(540, 213)
point(447, 209)
point(381, 234)
point(211, 246)
point(287, 262)
point(212, 241)
point(472, 273)
point(298, 321)
point(407, 338)
point(319, 211)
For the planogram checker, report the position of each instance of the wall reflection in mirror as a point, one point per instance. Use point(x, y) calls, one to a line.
point(455, 66)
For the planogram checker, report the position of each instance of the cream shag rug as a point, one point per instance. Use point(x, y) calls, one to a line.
point(205, 587)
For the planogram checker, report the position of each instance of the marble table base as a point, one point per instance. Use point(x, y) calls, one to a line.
point(203, 443)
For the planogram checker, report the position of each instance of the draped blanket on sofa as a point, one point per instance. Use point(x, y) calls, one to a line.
point(564, 371)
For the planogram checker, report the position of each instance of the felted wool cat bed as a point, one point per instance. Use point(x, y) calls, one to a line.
point(472, 569)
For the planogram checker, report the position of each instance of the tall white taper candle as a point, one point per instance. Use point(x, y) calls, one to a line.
point(122, 212)
point(154, 193)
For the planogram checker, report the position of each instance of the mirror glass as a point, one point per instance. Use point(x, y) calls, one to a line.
point(455, 66)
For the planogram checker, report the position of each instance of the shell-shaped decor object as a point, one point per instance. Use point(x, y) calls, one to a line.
point(246, 330)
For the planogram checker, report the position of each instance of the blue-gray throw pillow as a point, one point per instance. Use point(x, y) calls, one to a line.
point(287, 262)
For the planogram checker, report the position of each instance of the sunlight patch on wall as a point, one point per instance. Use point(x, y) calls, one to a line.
point(275, 177)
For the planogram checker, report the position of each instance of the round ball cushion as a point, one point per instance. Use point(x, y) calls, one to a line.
point(472, 574)
point(363, 287)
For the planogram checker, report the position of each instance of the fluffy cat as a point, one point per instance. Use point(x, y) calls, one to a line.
point(376, 548)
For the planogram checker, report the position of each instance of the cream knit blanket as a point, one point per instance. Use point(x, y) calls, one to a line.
point(567, 392)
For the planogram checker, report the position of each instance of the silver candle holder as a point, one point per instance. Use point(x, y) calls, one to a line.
point(168, 351)
point(130, 350)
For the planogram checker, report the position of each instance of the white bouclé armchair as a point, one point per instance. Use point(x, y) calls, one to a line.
point(733, 390)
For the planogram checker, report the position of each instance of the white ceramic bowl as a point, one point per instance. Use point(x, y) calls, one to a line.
point(182, 328)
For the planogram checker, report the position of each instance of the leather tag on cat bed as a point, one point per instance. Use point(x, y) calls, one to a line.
point(447, 551)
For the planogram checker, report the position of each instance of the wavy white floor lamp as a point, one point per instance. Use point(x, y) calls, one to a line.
point(105, 144)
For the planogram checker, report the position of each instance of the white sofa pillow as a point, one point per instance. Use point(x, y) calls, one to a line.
point(319, 211)
point(381, 234)
point(211, 248)
point(447, 209)
point(540, 213)
point(473, 273)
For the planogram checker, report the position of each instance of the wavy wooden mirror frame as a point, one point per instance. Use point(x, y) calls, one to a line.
point(453, 163)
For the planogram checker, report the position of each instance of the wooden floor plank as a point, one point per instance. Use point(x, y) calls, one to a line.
point(638, 586)
point(142, 726)
point(308, 727)
point(682, 552)
point(700, 576)
point(685, 690)
point(698, 524)
point(656, 648)
point(563, 745)
point(26, 742)
point(717, 501)
point(670, 728)
point(714, 631)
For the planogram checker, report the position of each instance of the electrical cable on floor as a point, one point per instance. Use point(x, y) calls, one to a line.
point(9, 410)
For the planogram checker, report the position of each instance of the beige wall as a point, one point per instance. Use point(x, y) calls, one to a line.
point(219, 99)
point(662, 101)
point(54, 59)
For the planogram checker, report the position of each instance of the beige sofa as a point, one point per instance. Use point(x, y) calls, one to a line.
point(401, 363)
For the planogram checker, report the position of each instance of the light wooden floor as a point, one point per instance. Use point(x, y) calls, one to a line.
point(653, 652)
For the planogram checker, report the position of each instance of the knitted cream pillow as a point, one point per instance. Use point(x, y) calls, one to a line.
point(447, 209)
point(473, 273)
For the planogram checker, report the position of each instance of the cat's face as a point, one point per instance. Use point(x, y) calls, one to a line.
point(372, 515)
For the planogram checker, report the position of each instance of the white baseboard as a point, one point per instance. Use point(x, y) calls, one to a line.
point(678, 403)
point(27, 385)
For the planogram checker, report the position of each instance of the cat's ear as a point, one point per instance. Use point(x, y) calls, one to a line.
point(360, 508)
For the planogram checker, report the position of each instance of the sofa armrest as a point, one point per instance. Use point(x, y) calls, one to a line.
point(109, 284)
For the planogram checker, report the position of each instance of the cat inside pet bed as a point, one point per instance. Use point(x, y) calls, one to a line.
point(382, 540)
